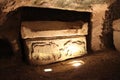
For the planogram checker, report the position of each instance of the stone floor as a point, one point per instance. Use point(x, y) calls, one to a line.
point(97, 66)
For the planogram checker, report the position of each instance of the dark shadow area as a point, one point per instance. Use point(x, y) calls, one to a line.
point(24, 51)
point(112, 14)
point(115, 10)
point(88, 37)
point(47, 14)
point(6, 50)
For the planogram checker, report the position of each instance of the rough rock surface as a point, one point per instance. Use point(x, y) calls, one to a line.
point(116, 34)
point(116, 25)
point(85, 5)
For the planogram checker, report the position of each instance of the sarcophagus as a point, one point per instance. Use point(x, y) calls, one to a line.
point(52, 41)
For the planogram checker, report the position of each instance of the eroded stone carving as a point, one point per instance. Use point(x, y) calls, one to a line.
point(53, 41)
point(49, 51)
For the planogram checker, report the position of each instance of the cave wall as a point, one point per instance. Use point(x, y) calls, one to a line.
point(80, 5)
point(10, 18)
point(9, 31)
point(115, 22)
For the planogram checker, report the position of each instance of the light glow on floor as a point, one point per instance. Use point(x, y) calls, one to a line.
point(77, 63)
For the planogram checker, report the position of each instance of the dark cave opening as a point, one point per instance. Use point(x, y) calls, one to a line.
point(48, 14)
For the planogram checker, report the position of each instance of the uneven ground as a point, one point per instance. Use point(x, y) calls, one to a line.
point(98, 66)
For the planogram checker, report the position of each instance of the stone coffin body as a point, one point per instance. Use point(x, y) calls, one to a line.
point(52, 41)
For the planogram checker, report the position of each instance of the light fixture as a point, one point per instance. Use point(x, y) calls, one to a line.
point(48, 70)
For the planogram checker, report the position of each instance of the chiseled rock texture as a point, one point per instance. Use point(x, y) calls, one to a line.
point(116, 34)
point(84, 5)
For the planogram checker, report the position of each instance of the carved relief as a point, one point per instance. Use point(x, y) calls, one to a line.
point(48, 51)
point(53, 41)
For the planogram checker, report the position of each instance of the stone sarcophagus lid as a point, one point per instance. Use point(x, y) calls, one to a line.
point(52, 41)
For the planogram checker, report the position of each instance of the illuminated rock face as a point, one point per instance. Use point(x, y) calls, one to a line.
point(44, 45)
point(49, 51)
point(116, 34)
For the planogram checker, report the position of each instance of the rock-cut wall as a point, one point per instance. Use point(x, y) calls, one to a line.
point(10, 17)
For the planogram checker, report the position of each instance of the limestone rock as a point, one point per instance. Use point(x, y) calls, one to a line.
point(116, 34)
point(116, 37)
point(83, 5)
point(53, 28)
point(116, 25)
